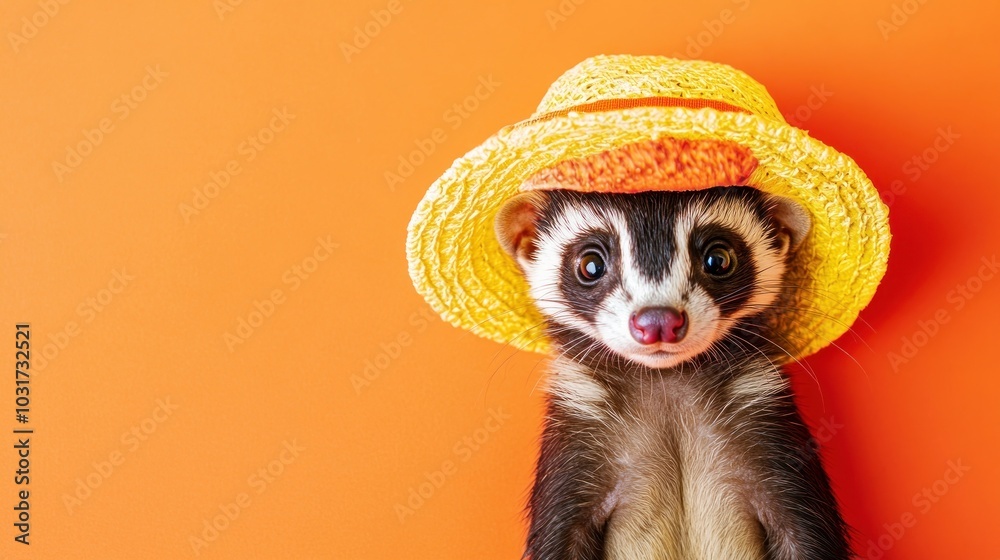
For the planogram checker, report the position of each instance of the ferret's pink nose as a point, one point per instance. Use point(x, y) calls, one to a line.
point(657, 324)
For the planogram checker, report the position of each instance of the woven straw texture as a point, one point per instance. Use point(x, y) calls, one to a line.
point(459, 267)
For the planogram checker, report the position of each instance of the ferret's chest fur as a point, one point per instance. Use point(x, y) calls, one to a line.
point(674, 455)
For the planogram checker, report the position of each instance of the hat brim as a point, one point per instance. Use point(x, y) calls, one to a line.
point(457, 264)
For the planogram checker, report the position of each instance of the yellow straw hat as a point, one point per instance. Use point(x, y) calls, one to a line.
point(630, 123)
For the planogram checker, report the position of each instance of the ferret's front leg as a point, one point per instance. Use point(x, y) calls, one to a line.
point(567, 522)
point(803, 519)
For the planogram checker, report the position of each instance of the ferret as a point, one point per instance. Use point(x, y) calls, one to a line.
point(670, 431)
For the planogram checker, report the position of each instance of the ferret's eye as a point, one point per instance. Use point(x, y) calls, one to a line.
point(591, 267)
point(720, 259)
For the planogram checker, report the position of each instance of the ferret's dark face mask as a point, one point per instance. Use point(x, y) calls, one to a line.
point(655, 277)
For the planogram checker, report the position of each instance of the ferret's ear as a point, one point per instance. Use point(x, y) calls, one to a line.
point(515, 227)
point(793, 222)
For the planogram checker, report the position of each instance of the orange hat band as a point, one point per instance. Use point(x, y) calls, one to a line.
point(670, 164)
point(664, 164)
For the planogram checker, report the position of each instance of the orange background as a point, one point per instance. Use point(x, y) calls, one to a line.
point(345, 390)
